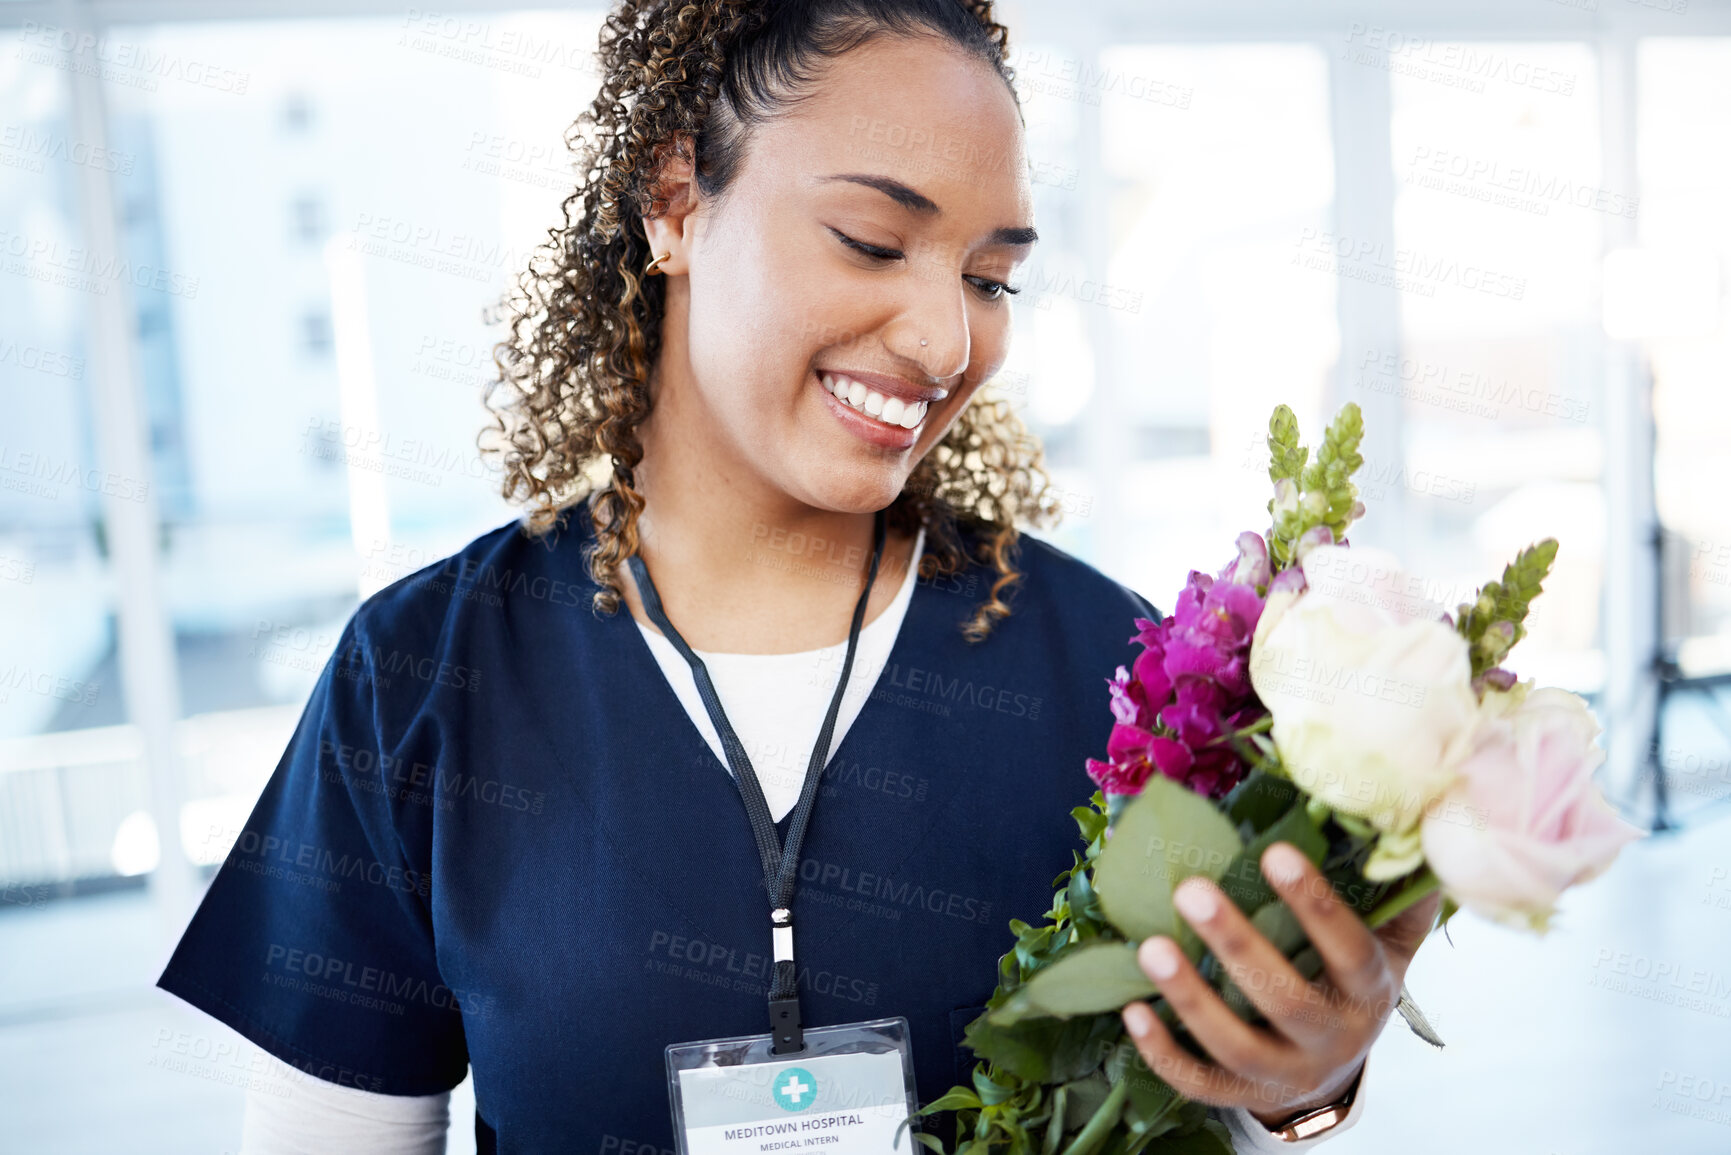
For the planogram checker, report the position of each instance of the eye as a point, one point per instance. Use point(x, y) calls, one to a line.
point(993, 290)
point(875, 252)
point(990, 289)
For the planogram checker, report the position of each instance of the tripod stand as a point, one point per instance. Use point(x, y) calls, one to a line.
point(1670, 680)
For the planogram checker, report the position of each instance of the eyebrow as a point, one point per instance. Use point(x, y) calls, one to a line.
point(916, 201)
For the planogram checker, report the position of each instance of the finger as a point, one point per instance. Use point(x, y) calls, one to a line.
point(1182, 1071)
point(1271, 983)
point(1232, 1042)
point(1352, 956)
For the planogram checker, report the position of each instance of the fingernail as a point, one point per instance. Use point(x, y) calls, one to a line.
point(1283, 864)
point(1136, 1019)
point(1159, 958)
point(1196, 901)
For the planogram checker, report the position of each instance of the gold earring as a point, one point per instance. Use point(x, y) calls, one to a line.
point(652, 267)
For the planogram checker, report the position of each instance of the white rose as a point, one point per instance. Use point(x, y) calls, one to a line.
point(1370, 690)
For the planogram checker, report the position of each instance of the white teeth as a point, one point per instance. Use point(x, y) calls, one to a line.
point(889, 410)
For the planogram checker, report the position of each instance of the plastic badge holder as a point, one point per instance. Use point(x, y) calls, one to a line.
point(850, 1090)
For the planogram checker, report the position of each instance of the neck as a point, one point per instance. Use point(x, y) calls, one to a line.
point(741, 566)
point(706, 512)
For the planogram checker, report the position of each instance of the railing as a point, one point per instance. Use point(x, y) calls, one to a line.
point(74, 805)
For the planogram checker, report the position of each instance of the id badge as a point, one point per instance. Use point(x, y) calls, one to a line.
point(850, 1092)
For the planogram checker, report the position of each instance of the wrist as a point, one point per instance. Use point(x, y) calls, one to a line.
point(1338, 1093)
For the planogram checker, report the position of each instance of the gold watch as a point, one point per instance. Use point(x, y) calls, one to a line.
point(1318, 1120)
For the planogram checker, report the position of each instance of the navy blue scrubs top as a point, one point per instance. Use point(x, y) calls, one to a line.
point(497, 841)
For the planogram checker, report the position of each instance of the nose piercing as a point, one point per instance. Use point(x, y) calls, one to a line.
point(922, 340)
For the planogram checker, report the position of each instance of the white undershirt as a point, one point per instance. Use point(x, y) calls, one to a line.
point(776, 705)
point(776, 702)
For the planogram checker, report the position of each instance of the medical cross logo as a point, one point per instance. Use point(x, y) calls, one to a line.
point(794, 1089)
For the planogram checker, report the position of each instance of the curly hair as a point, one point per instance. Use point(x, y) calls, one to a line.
point(693, 77)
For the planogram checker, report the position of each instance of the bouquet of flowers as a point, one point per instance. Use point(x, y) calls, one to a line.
point(1307, 694)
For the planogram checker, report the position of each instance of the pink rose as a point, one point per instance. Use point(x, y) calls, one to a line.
point(1524, 821)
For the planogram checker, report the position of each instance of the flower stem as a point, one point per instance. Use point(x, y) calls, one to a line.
point(1420, 888)
point(1090, 1137)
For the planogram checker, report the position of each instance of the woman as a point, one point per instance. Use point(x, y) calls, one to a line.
point(507, 834)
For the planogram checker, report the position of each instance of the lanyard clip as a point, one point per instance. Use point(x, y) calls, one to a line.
point(784, 1026)
point(784, 1021)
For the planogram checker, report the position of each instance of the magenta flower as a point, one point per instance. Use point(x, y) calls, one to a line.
point(1250, 567)
point(1129, 699)
point(1189, 691)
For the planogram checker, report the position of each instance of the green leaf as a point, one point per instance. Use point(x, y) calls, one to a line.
point(1166, 835)
point(1150, 1096)
point(1100, 1125)
point(1242, 879)
point(1276, 923)
point(1084, 1045)
point(1055, 1128)
point(1031, 945)
point(1042, 1049)
point(991, 1091)
point(1021, 1048)
point(1089, 821)
point(1014, 1009)
point(1260, 800)
point(1191, 1116)
point(1087, 980)
point(1351, 888)
point(1212, 1138)
point(1307, 963)
point(1084, 1098)
point(955, 1099)
point(930, 1142)
point(1083, 900)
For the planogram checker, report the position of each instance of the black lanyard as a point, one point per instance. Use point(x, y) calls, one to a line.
point(780, 864)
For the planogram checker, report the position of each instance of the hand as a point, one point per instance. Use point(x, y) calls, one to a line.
point(1318, 1034)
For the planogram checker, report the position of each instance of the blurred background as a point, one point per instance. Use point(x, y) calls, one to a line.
point(247, 250)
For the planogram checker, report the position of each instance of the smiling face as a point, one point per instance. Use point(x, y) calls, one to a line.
point(831, 313)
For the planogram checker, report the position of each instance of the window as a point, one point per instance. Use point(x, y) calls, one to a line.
point(1685, 101)
point(316, 333)
point(1215, 163)
point(308, 216)
point(297, 113)
point(71, 770)
point(1498, 226)
point(312, 364)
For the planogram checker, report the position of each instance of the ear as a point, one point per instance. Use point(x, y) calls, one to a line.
point(672, 228)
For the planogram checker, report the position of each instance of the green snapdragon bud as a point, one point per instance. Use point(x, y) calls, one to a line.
point(1312, 494)
point(1495, 643)
point(1496, 619)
